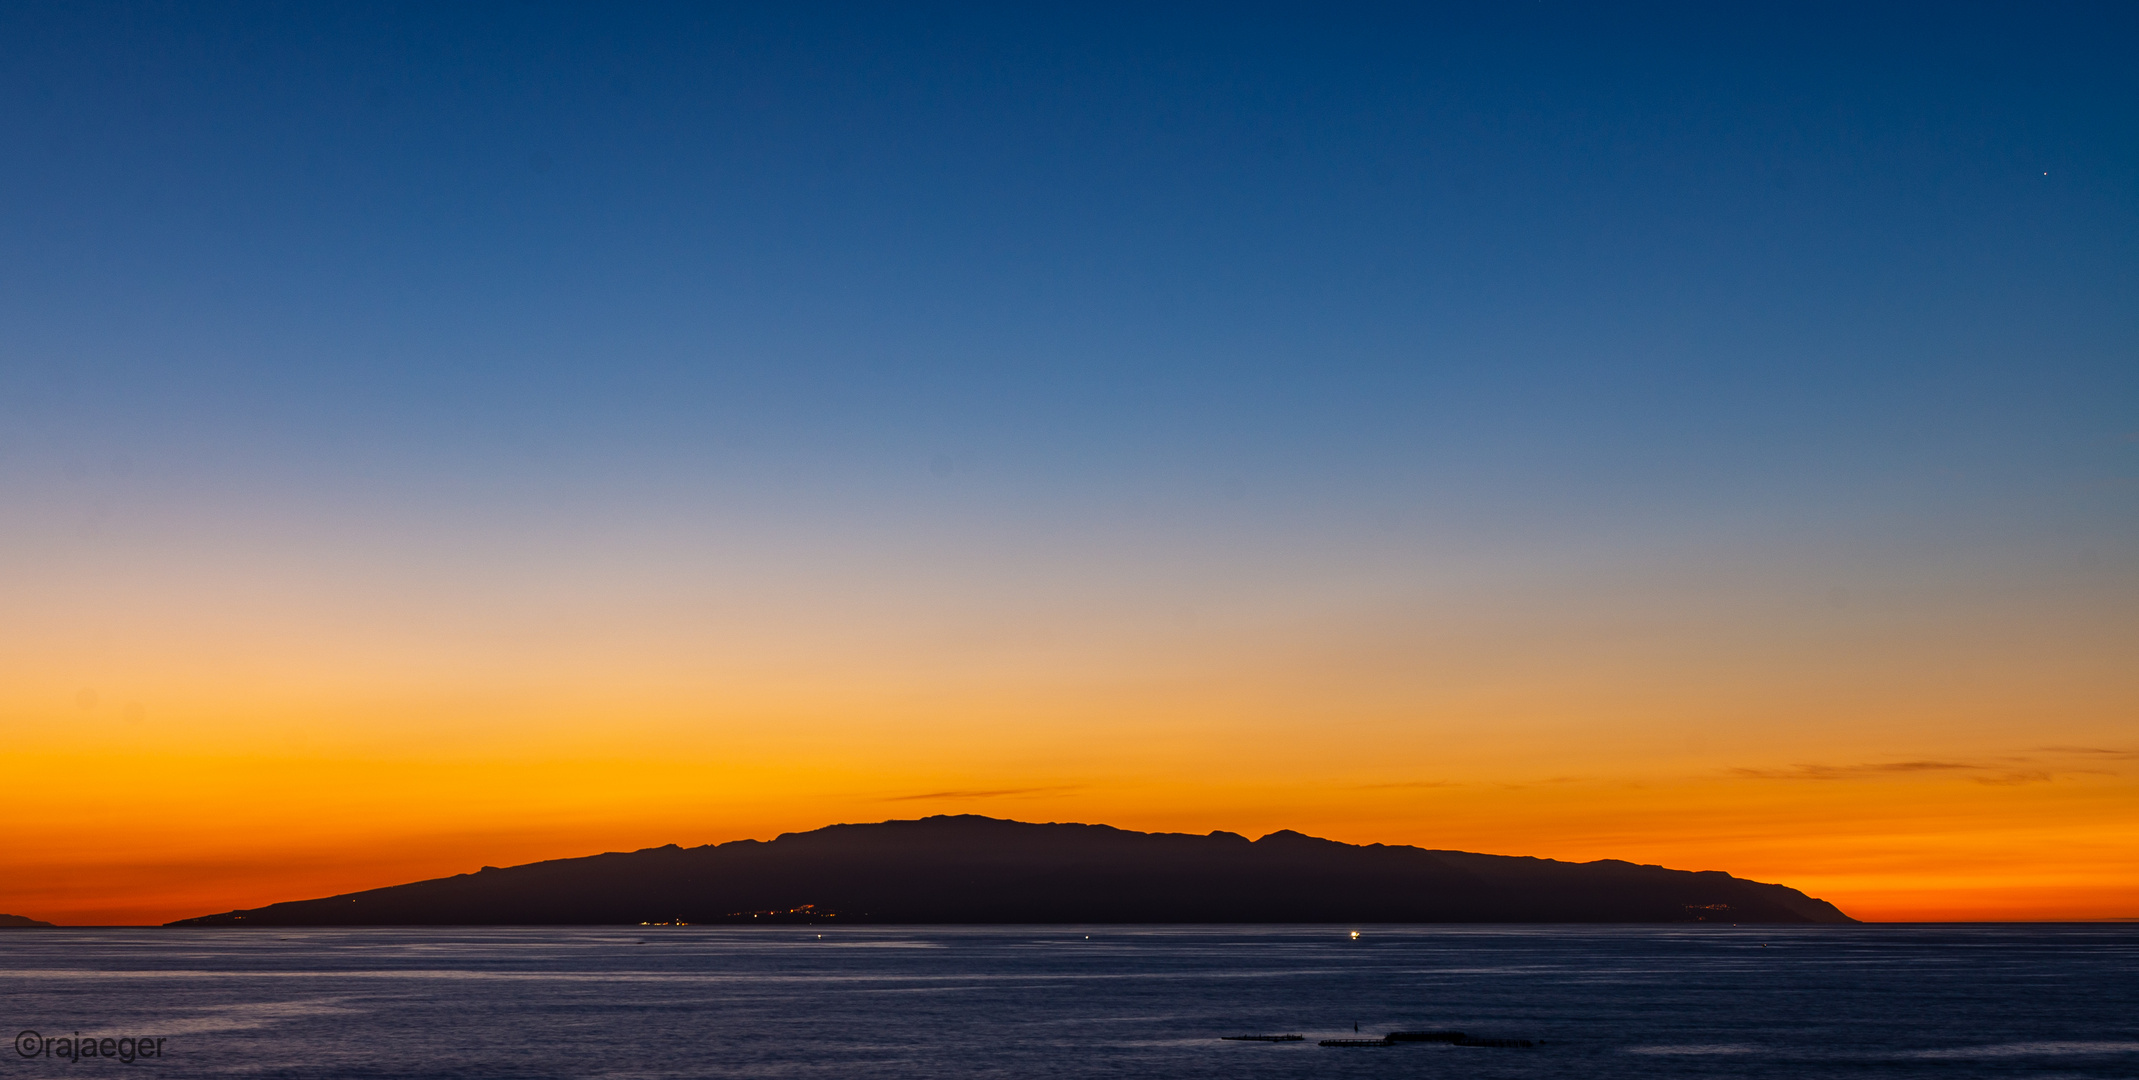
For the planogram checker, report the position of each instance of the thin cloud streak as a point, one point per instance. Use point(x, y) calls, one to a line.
point(2010, 779)
point(2004, 773)
point(1853, 772)
point(2094, 751)
point(995, 793)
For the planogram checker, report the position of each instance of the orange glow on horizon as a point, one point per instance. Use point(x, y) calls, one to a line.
point(155, 838)
point(1969, 761)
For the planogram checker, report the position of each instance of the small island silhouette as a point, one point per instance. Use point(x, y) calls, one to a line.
point(970, 869)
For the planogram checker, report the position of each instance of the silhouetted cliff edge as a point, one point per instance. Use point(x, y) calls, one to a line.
point(969, 869)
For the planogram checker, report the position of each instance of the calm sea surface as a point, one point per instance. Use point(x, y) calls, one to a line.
point(1861, 1001)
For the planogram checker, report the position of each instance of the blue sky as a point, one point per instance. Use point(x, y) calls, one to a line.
point(1805, 254)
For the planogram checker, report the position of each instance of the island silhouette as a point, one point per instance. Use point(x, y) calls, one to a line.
point(971, 869)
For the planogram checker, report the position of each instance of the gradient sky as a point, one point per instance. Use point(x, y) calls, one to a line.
point(447, 435)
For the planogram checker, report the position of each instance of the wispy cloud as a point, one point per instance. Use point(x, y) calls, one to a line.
point(2001, 771)
point(2090, 751)
point(1853, 772)
point(978, 793)
point(2023, 776)
point(1505, 785)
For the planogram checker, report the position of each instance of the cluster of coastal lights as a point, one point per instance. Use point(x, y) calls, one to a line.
point(680, 922)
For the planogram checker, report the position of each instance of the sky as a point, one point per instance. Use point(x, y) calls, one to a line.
point(435, 436)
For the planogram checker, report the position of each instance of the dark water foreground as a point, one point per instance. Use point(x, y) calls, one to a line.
point(1846, 1001)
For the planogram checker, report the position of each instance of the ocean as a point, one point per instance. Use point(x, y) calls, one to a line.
point(1076, 1001)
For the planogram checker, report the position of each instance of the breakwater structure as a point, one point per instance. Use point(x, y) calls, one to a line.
point(1451, 1038)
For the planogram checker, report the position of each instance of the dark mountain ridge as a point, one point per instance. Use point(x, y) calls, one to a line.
point(969, 869)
